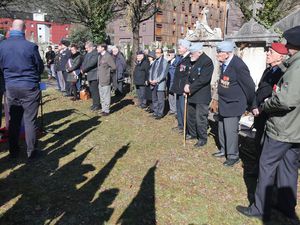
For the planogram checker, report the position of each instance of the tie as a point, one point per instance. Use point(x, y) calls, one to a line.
point(223, 67)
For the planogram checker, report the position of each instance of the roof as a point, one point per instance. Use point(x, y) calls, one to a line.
point(252, 31)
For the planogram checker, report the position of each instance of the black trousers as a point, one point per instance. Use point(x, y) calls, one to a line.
point(23, 103)
point(197, 121)
point(280, 160)
point(1, 98)
point(95, 92)
point(68, 83)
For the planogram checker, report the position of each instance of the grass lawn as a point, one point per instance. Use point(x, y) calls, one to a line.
point(126, 168)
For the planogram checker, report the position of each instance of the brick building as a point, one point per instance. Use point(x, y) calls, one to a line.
point(172, 21)
point(39, 27)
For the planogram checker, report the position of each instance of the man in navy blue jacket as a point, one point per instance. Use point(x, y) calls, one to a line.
point(236, 91)
point(22, 66)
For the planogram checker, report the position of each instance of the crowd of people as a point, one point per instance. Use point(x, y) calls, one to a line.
point(184, 79)
point(102, 69)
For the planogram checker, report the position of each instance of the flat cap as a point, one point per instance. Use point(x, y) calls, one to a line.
point(196, 47)
point(292, 36)
point(152, 54)
point(279, 48)
point(225, 46)
point(140, 52)
point(185, 43)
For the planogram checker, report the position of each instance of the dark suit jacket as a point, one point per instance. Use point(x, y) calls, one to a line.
point(90, 64)
point(270, 77)
point(181, 74)
point(199, 77)
point(236, 89)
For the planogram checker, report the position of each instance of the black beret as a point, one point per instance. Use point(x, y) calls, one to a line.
point(65, 42)
point(292, 36)
point(171, 51)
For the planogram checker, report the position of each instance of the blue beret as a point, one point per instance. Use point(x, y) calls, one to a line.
point(196, 47)
point(292, 36)
point(184, 43)
point(225, 46)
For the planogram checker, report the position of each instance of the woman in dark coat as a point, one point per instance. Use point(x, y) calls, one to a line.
point(148, 91)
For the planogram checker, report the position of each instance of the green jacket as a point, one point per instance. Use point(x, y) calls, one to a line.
point(284, 105)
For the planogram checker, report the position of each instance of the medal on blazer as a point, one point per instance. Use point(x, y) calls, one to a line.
point(182, 68)
point(199, 71)
point(225, 81)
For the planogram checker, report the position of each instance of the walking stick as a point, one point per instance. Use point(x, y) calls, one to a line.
point(184, 120)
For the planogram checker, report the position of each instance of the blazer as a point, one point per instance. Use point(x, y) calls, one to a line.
point(181, 74)
point(89, 65)
point(236, 89)
point(199, 77)
point(106, 65)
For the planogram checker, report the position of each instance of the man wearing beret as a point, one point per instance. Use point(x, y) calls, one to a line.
point(199, 94)
point(236, 91)
point(281, 148)
point(275, 56)
point(181, 73)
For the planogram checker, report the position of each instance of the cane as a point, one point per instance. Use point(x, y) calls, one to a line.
point(184, 119)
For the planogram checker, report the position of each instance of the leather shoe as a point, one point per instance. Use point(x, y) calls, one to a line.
point(158, 117)
point(219, 154)
point(246, 211)
point(189, 137)
point(200, 144)
point(231, 162)
point(105, 114)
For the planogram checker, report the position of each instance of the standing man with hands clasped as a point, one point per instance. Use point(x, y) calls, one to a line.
point(236, 91)
point(281, 150)
point(199, 94)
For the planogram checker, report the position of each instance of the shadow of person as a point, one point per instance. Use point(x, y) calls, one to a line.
point(142, 210)
point(62, 195)
point(120, 105)
point(250, 159)
point(91, 209)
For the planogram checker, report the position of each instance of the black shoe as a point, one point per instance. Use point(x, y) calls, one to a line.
point(105, 114)
point(95, 108)
point(153, 115)
point(200, 144)
point(231, 162)
point(189, 137)
point(219, 154)
point(158, 117)
point(34, 155)
point(246, 211)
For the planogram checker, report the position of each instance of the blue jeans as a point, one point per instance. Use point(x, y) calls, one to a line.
point(180, 110)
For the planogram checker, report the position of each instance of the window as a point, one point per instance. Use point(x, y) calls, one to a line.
point(144, 27)
point(158, 38)
point(158, 25)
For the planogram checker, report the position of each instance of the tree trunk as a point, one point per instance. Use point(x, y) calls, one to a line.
point(135, 48)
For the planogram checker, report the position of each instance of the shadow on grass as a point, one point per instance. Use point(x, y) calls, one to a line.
point(120, 105)
point(47, 192)
point(142, 208)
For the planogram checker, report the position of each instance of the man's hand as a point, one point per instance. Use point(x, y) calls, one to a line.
point(214, 106)
point(187, 88)
point(255, 112)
